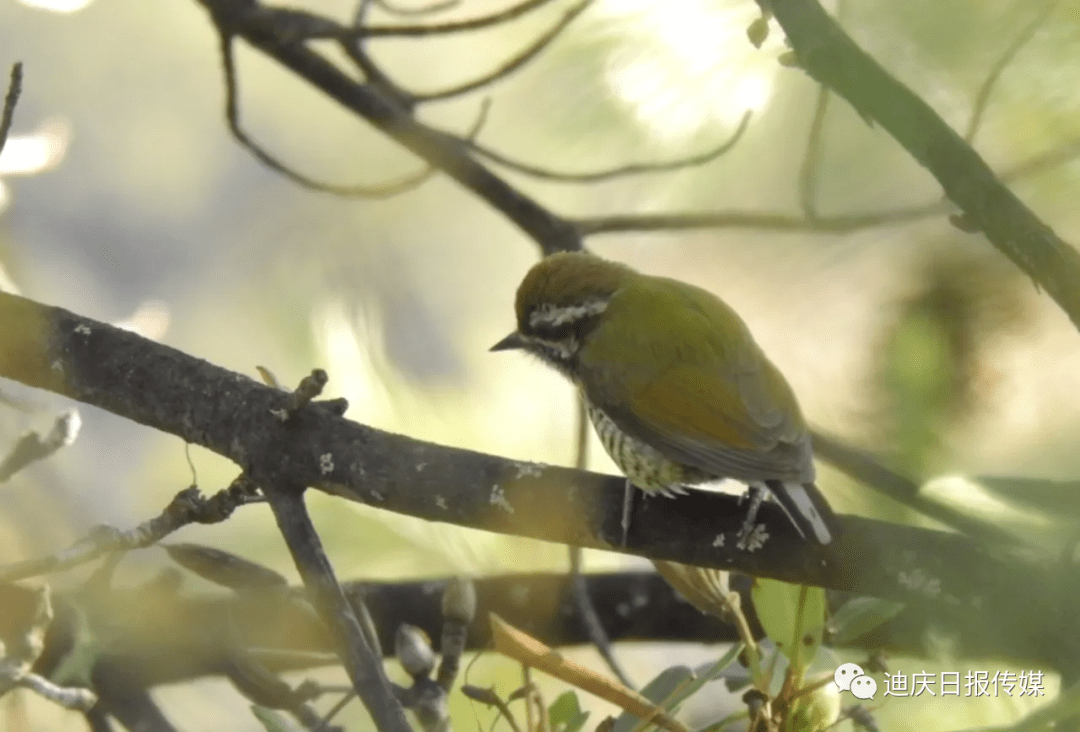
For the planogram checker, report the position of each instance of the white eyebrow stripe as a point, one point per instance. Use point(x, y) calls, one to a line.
point(555, 316)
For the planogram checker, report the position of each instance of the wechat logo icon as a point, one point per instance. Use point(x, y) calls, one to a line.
point(850, 677)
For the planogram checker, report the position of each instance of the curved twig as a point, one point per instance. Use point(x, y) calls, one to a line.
point(436, 7)
point(389, 189)
point(622, 170)
point(432, 29)
point(511, 65)
point(10, 100)
point(373, 73)
point(812, 158)
point(983, 97)
point(833, 224)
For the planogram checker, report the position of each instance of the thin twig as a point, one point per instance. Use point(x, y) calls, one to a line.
point(354, 48)
point(761, 220)
point(365, 669)
point(457, 26)
point(590, 618)
point(436, 7)
point(834, 224)
point(623, 170)
point(19, 651)
point(863, 467)
point(12, 98)
point(491, 699)
point(513, 64)
point(812, 157)
point(831, 57)
point(1046, 160)
point(336, 709)
point(188, 506)
point(32, 447)
point(406, 183)
point(987, 88)
point(269, 31)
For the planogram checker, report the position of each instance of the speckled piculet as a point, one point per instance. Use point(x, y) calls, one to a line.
point(676, 388)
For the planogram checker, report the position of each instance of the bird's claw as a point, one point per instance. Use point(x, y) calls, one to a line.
point(757, 495)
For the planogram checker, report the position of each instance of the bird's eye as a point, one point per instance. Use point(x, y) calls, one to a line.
point(560, 332)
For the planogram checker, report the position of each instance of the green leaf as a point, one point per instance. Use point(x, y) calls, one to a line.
point(656, 691)
point(271, 720)
point(706, 673)
point(565, 713)
point(76, 666)
point(793, 617)
point(675, 685)
point(860, 615)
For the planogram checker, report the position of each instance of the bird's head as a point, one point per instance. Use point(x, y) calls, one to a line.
point(560, 301)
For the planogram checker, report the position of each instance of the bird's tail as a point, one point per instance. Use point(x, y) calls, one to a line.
point(806, 507)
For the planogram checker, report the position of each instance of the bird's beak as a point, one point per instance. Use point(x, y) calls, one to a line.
point(509, 343)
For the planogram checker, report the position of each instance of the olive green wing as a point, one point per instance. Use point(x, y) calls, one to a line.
point(699, 390)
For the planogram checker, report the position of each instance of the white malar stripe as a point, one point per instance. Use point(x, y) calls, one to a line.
point(551, 315)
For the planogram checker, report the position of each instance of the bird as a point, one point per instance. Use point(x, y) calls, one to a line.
point(676, 388)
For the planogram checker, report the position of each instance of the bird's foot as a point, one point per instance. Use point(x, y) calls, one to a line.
point(756, 495)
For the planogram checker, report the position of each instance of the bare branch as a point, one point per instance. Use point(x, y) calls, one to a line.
point(834, 224)
point(492, 699)
point(22, 650)
point(1053, 158)
point(983, 97)
point(623, 170)
point(512, 64)
point(759, 220)
point(234, 416)
point(32, 447)
point(436, 7)
point(188, 506)
point(364, 667)
point(10, 100)
point(457, 26)
point(355, 49)
point(812, 156)
point(868, 471)
point(258, 25)
point(390, 189)
point(832, 58)
point(68, 697)
point(590, 618)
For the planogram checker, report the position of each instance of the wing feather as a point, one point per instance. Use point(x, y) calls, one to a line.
point(701, 398)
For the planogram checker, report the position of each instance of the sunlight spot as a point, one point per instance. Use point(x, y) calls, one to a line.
point(687, 65)
point(57, 6)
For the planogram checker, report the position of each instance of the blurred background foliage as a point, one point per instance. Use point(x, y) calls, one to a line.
point(130, 202)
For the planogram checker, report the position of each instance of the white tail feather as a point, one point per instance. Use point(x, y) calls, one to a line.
point(800, 509)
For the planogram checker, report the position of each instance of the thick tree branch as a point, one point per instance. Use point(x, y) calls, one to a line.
point(237, 417)
point(191, 635)
point(831, 58)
